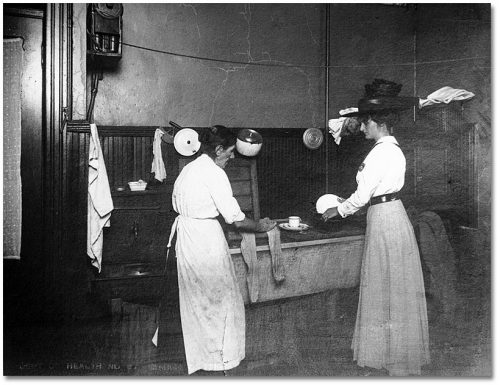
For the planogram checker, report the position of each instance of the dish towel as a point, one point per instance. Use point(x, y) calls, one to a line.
point(445, 95)
point(249, 253)
point(335, 125)
point(277, 259)
point(158, 167)
point(335, 128)
point(100, 203)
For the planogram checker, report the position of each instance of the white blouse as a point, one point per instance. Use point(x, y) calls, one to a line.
point(202, 190)
point(382, 172)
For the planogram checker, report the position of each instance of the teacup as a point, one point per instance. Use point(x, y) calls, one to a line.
point(294, 221)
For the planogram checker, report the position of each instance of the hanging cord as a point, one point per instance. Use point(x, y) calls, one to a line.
point(95, 84)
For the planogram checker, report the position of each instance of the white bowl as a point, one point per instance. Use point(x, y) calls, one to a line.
point(249, 142)
point(248, 149)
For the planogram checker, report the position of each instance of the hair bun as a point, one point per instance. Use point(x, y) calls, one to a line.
point(216, 130)
point(205, 136)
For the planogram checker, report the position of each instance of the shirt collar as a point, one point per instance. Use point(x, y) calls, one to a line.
point(387, 139)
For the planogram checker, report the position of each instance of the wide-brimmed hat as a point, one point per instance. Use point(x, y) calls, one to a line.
point(382, 96)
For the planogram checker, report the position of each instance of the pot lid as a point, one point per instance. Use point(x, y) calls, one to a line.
point(250, 136)
point(186, 142)
point(312, 138)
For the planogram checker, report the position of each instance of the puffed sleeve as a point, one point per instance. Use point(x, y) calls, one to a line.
point(369, 176)
point(222, 194)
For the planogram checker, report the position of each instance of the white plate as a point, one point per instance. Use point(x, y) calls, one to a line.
point(301, 227)
point(327, 201)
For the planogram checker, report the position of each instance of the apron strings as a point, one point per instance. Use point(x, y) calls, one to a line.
point(172, 231)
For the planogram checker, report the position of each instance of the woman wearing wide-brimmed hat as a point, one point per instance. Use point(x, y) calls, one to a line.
point(391, 330)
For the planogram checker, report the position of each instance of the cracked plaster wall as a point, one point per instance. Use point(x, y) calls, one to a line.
point(150, 88)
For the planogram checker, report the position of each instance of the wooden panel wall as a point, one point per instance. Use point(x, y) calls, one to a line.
point(291, 176)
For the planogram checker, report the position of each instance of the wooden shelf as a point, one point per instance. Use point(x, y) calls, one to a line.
point(129, 193)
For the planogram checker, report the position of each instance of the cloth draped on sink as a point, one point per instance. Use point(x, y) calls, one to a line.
point(249, 252)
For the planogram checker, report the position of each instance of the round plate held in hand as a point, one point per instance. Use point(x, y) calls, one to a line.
point(327, 201)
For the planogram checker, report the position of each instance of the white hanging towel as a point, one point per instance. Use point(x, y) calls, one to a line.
point(100, 203)
point(445, 95)
point(335, 125)
point(158, 167)
point(335, 128)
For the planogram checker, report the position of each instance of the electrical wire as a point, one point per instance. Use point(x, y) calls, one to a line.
point(302, 65)
point(267, 64)
point(222, 60)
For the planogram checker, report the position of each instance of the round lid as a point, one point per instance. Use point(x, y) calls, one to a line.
point(249, 142)
point(186, 142)
point(312, 138)
point(250, 136)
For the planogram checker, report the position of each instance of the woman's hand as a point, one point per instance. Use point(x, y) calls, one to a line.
point(330, 213)
point(264, 225)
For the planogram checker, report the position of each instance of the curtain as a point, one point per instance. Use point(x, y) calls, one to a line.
point(12, 67)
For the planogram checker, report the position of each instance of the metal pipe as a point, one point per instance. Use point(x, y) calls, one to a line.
point(69, 48)
point(175, 125)
point(327, 93)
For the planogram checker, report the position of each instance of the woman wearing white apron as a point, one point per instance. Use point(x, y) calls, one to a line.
point(211, 306)
point(391, 330)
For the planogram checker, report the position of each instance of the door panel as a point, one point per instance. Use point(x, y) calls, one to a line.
point(29, 26)
point(432, 175)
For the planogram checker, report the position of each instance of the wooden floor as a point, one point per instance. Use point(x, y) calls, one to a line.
point(304, 336)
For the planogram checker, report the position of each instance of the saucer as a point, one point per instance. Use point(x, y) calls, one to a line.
point(301, 227)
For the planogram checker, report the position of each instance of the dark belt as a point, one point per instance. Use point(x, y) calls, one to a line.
point(383, 198)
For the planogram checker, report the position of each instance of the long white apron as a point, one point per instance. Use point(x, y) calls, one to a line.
point(211, 306)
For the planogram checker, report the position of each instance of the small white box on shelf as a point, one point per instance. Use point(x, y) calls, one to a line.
point(140, 185)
